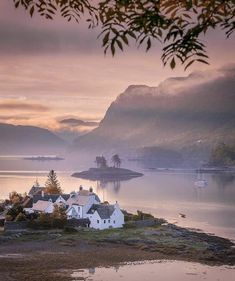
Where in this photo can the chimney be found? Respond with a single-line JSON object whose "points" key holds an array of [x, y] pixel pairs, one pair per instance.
{"points": [[91, 189], [80, 187]]}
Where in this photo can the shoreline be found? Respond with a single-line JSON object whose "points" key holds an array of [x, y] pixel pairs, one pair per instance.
{"points": [[41, 256]]}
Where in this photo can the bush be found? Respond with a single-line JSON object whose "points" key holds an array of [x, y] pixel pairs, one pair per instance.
{"points": [[8, 218], [15, 211], [58, 223], [69, 229], [45, 220], [20, 217]]}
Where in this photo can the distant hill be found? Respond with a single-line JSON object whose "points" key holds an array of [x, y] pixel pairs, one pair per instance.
{"points": [[28, 139], [187, 115]]}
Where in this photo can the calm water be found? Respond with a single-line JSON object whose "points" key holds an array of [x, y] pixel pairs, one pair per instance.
{"points": [[160, 271], [164, 194]]}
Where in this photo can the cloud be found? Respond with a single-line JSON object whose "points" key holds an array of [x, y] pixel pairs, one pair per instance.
{"points": [[77, 123], [22, 106]]}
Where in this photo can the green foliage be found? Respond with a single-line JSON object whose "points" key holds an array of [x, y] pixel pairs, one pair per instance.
{"points": [[136, 217], [59, 212], [52, 184], [223, 155], [177, 25], [44, 220], [57, 219], [9, 218], [21, 217], [15, 211], [15, 198], [69, 229]]}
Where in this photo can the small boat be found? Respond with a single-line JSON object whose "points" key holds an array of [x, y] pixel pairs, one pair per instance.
{"points": [[201, 183], [182, 215]]}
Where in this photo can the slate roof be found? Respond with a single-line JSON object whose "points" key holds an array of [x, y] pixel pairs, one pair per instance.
{"points": [[104, 211], [53, 197], [36, 190]]}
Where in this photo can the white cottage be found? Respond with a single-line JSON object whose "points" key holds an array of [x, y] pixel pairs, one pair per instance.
{"points": [[104, 216], [74, 212], [80, 202], [84, 204]]}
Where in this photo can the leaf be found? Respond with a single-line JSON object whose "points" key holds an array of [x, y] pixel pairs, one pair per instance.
{"points": [[202, 61], [112, 49], [132, 34], [188, 65], [172, 64], [148, 44], [119, 45], [31, 11], [106, 39]]}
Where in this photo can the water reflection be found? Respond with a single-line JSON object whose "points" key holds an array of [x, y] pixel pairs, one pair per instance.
{"points": [[223, 180], [116, 185], [157, 270], [164, 194]]}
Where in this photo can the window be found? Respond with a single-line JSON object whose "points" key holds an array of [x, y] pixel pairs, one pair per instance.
{"points": [[108, 221], [98, 221], [104, 221], [113, 221]]}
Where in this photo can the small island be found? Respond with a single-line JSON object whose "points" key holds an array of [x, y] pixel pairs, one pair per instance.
{"points": [[104, 172], [44, 158]]}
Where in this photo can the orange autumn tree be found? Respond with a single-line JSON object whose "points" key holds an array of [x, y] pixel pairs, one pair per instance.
{"points": [[52, 185]]}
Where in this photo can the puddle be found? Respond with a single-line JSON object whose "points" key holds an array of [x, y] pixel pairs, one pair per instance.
{"points": [[156, 270]]}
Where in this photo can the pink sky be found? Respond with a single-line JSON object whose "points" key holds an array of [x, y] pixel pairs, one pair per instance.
{"points": [[51, 70]]}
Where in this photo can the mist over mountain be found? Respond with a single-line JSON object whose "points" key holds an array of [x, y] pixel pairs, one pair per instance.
{"points": [[29, 139], [183, 115], [72, 128]]}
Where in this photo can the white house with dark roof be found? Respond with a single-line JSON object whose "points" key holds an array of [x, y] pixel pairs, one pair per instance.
{"points": [[46, 202], [103, 216], [84, 204]]}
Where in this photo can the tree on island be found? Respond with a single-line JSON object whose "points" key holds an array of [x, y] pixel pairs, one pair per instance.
{"points": [[52, 185], [101, 162], [116, 160], [177, 25]]}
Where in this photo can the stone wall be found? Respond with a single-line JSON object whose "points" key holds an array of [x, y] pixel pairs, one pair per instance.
{"points": [[78, 223], [15, 226]]}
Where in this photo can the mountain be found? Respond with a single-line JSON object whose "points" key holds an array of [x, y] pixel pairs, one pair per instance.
{"points": [[28, 139], [183, 115]]}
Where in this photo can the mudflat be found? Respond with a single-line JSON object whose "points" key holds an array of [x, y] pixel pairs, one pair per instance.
{"points": [[51, 255]]}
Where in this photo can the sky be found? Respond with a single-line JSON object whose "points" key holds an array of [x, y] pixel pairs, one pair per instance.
{"points": [[54, 70]]}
